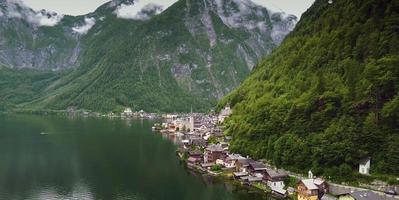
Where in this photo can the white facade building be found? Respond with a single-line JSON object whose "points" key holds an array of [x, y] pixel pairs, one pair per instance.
{"points": [[226, 112], [128, 112], [364, 166]]}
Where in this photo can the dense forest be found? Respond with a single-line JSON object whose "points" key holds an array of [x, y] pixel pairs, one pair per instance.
{"points": [[22, 85], [328, 96]]}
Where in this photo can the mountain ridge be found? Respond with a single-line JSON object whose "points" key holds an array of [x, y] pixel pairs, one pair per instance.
{"points": [[189, 50]]}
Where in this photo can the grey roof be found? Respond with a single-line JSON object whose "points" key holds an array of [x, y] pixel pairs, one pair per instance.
{"points": [[240, 174], [257, 165], [254, 179], [279, 190], [276, 173], [195, 152], [245, 162], [365, 195], [235, 157], [309, 184], [318, 181], [198, 142], [215, 148]]}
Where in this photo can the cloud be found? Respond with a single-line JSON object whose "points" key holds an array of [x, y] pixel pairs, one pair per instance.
{"points": [[140, 10], [149, 11], [84, 29], [241, 13], [17, 9], [45, 18]]}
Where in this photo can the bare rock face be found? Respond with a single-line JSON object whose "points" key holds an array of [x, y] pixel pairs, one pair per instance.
{"points": [[200, 49], [37, 40], [253, 31]]}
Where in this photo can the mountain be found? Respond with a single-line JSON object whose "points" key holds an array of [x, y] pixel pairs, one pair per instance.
{"points": [[328, 96], [189, 55], [36, 40]]}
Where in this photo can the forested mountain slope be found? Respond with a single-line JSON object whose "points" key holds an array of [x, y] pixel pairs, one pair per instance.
{"points": [[329, 95], [189, 55]]}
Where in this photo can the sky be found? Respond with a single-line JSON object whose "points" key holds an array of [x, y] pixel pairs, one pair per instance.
{"points": [[81, 7]]}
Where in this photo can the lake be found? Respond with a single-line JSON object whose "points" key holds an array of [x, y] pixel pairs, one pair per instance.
{"points": [[51, 157]]}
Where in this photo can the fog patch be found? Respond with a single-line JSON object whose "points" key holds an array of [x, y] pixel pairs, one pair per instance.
{"points": [[85, 28], [17, 9], [141, 9]]}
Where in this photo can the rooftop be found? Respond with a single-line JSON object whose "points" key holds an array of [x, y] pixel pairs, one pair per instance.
{"points": [[276, 173], [215, 148], [318, 181], [309, 183], [257, 165], [236, 157]]}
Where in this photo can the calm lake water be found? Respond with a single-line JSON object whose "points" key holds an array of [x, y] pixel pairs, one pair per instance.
{"points": [[48, 157]]}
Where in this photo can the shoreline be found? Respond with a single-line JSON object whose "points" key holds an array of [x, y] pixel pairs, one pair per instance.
{"points": [[228, 179]]}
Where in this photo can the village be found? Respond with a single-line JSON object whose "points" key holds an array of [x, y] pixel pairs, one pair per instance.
{"points": [[203, 146]]}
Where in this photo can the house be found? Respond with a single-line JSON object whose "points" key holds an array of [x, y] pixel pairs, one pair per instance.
{"points": [[214, 152], [274, 178], [308, 190], [232, 159], [217, 132], [255, 178], [364, 166], [194, 160], [198, 142], [195, 123], [195, 154], [256, 168], [220, 162], [238, 175], [242, 165], [127, 112], [279, 191], [224, 113], [322, 185], [360, 195]]}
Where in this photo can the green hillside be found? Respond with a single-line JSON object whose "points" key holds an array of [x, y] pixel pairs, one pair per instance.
{"points": [[188, 56], [328, 96], [19, 86]]}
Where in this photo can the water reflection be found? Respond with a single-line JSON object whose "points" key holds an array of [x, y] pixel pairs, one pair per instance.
{"points": [[85, 158]]}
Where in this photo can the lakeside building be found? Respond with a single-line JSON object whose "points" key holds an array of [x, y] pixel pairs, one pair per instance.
{"points": [[274, 178], [214, 152], [127, 112], [364, 166], [311, 189], [232, 159]]}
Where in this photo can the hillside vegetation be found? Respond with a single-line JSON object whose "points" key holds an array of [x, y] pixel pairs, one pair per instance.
{"points": [[328, 96], [188, 56]]}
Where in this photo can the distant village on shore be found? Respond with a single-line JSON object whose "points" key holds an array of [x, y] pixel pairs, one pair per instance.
{"points": [[203, 147]]}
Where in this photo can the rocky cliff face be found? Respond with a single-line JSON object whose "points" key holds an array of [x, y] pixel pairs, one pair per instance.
{"points": [[37, 40], [199, 49]]}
